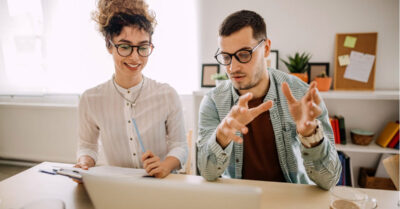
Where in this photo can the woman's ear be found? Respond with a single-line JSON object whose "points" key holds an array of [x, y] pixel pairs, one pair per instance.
{"points": [[109, 48], [267, 47], [108, 44]]}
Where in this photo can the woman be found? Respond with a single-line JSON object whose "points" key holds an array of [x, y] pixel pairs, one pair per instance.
{"points": [[138, 120]]}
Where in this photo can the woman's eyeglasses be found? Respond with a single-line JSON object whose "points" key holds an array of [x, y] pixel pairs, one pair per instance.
{"points": [[125, 50]]}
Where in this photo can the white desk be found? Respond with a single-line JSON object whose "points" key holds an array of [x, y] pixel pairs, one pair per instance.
{"points": [[32, 185]]}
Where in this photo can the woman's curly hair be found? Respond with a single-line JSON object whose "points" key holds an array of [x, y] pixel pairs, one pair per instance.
{"points": [[113, 15]]}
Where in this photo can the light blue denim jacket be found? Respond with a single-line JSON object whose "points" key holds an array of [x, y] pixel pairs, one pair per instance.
{"points": [[299, 164]]}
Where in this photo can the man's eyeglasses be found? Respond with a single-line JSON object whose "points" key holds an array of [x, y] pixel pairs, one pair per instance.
{"points": [[242, 55], [125, 50]]}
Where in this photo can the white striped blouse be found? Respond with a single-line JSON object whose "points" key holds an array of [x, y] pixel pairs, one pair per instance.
{"points": [[106, 117]]}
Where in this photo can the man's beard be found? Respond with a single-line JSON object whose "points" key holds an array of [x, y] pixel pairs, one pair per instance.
{"points": [[253, 82]]}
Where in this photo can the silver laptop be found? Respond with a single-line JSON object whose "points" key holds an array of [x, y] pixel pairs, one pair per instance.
{"points": [[124, 192]]}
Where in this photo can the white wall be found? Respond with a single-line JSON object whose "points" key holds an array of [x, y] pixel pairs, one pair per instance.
{"points": [[311, 25], [40, 131]]}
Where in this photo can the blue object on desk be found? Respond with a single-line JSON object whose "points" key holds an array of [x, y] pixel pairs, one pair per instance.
{"points": [[47, 172], [138, 135]]}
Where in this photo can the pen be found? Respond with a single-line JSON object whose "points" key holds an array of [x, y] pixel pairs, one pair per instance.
{"points": [[138, 135]]}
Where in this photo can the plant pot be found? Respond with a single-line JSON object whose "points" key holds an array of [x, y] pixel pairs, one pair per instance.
{"points": [[302, 76], [323, 84], [217, 82]]}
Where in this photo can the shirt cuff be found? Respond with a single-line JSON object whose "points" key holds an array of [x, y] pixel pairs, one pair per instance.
{"points": [[221, 154], [179, 154], [315, 153], [90, 153]]}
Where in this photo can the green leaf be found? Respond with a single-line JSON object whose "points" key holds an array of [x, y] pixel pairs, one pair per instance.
{"points": [[298, 63]]}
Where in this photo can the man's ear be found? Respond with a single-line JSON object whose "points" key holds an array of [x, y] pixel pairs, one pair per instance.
{"points": [[267, 47]]}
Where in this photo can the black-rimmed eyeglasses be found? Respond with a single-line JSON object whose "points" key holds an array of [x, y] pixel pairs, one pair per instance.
{"points": [[242, 55], [125, 50]]}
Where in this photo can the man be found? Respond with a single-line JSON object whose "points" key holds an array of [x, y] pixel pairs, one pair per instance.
{"points": [[263, 124]]}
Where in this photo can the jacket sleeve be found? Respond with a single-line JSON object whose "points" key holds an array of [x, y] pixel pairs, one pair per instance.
{"points": [[322, 162], [212, 160]]}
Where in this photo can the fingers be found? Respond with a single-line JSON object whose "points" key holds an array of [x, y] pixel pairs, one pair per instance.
{"points": [[85, 162], [314, 110], [232, 123], [288, 93], [311, 88], [244, 99], [151, 160], [315, 96], [152, 166], [77, 181], [261, 108], [156, 172], [230, 133], [82, 166], [147, 154]]}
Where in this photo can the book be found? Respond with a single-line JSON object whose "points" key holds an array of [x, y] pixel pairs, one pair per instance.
{"points": [[337, 131], [333, 124], [349, 171], [394, 141], [340, 178], [342, 129], [380, 170], [342, 174], [387, 134]]}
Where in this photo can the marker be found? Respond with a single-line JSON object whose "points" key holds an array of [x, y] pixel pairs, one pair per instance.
{"points": [[138, 135]]}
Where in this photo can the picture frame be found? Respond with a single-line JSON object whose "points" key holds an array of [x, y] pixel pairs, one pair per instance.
{"points": [[272, 61], [316, 68], [207, 71]]}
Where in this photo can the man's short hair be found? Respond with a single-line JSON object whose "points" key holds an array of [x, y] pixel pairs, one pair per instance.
{"points": [[241, 19]]}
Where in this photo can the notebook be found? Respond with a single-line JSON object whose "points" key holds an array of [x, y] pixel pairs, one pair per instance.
{"points": [[125, 191]]}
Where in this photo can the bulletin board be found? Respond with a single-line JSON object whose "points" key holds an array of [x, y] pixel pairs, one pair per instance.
{"points": [[365, 43]]}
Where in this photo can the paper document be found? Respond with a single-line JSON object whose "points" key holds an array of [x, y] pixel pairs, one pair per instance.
{"points": [[360, 66], [76, 173], [344, 60]]}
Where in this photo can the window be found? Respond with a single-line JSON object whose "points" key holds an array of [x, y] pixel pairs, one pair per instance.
{"points": [[53, 47]]}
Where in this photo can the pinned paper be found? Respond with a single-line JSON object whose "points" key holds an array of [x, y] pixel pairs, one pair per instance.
{"points": [[360, 66], [344, 60], [350, 41]]}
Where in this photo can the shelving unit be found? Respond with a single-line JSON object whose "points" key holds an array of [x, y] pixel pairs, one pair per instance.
{"points": [[358, 95], [371, 148], [362, 95]]}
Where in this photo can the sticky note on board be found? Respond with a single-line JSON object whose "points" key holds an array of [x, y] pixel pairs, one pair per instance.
{"points": [[350, 41], [344, 60]]}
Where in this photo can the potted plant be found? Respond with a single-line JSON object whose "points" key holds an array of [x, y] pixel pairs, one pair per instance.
{"points": [[298, 65], [323, 82], [218, 77]]}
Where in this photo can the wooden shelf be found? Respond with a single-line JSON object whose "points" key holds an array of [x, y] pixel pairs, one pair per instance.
{"points": [[365, 95], [352, 95], [371, 148]]}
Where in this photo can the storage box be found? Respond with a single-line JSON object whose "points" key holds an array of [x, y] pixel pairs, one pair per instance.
{"points": [[367, 179]]}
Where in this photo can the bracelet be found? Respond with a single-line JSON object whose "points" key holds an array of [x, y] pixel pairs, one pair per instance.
{"points": [[313, 139]]}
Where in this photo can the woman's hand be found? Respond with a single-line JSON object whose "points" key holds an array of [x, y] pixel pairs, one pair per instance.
{"points": [[154, 167], [84, 162]]}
